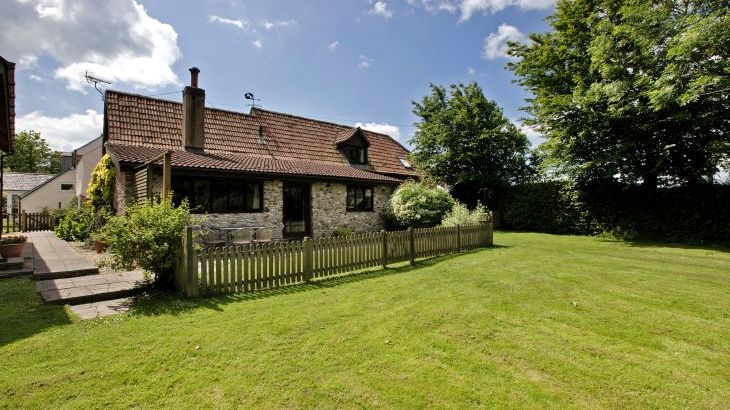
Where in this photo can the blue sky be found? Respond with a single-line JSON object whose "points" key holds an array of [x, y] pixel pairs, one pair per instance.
{"points": [[356, 61]]}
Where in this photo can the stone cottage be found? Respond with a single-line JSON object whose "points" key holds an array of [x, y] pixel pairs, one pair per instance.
{"points": [[294, 175]]}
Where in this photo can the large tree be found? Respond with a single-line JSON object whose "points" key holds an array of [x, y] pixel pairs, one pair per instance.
{"points": [[631, 90], [31, 153], [464, 140]]}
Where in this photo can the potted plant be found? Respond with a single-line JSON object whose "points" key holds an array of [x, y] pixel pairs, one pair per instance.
{"points": [[99, 240], [12, 246]]}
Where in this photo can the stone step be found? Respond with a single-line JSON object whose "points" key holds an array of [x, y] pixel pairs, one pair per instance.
{"points": [[44, 274], [101, 309], [12, 263], [94, 288]]}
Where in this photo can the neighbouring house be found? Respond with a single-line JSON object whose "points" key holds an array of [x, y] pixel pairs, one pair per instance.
{"points": [[59, 190], [15, 184], [84, 159], [294, 175], [55, 193]]}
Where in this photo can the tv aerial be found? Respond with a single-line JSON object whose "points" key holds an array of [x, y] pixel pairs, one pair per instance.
{"points": [[98, 82], [250, 96]]}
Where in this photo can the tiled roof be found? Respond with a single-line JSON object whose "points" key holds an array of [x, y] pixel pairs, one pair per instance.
{"points": [[257, 164], [345, 135], [19, 181], [134, 120]]}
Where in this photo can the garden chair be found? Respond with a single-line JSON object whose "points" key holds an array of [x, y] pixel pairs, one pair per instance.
{"points": [[263, 235], [211, 238], [242, 236]]}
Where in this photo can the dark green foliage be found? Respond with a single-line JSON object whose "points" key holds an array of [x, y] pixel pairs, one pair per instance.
{"points": [[631, 90], [669, 214], [77, 224], [31, 153], [149, 236], [464, 140]]}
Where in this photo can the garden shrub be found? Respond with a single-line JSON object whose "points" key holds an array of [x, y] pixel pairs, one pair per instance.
{"points": [[77, 224], [420, 204], [461, 215], [148, 236], [100, 193], [343, 232], [676, 214]]}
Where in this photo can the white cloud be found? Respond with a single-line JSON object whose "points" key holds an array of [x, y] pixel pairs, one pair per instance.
{"points": [[269, 25], [471, 71], [383, 128], [240, 23], [35, 77], [365, 61], [533, 135], [117, 40], [333, 45], [495, 44], [257, 43], [468, 8], [63, 133], [380, 8]]}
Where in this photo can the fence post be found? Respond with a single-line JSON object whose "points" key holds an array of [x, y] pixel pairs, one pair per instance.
{"points": [[385, 248], [23, 221], [458, 238], [490, 229], [411, 246], [192, 284], [307, 256]]}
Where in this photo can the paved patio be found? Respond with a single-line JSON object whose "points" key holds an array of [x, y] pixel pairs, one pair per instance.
{"points": [[92, 288], [53, 258], [100, 309]]}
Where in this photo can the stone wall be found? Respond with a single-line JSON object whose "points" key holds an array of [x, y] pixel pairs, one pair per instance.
{"points": [[329, 209], [271, 217]]}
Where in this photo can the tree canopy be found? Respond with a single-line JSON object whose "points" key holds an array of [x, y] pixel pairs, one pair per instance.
{"points": [[631, 90], [31, 153], [464, 140]]}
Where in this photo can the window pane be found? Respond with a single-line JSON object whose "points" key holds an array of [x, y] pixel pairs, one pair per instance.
{"points": [[201, 195], [359, 198], [236, 196], [218, 196], [361, 155], [253, 197], [350, 198], [368, 199]]}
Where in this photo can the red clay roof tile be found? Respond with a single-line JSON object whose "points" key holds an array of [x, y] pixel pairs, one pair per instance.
{"points": [[134, 120]]}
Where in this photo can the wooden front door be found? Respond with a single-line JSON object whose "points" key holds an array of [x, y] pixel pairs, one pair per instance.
{"points": [[297, 210]]}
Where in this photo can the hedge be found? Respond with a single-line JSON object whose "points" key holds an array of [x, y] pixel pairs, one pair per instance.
{"points": [[678, 214]]}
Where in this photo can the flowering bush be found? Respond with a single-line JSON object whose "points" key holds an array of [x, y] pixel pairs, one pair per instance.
{"points": [[420, 204], [460, 215], [100, 193]]}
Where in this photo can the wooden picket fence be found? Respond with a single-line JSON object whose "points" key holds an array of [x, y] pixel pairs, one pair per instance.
{"points": [[258, 266], [28, 222]]}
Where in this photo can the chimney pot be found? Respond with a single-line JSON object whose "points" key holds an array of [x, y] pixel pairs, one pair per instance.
{"points": [[194, 76]]}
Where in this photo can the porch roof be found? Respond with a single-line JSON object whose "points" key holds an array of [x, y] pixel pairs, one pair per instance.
{"points": [[254, 164]]}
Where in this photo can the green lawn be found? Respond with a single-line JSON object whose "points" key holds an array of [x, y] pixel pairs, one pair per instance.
{"points": [[537, 321]]}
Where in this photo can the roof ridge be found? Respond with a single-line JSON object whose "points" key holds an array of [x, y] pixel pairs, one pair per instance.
{"points": [[177, 102], [26, 173]]}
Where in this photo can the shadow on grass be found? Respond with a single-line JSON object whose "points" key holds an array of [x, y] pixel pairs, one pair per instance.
{"points": [[706, 246], [158, 303], [23, 313]]}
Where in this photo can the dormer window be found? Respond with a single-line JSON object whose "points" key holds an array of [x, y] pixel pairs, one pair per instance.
{"points": [[353, 145], [357, 155]]}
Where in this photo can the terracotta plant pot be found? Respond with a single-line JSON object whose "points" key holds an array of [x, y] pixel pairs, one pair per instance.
{"points": [[99, 246], [12, 251]]}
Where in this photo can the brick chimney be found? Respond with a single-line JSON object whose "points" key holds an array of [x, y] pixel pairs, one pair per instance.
{"points": [[193, 114]]}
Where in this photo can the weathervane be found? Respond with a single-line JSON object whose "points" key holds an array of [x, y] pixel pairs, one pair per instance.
{"points": [[250, 96]]}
